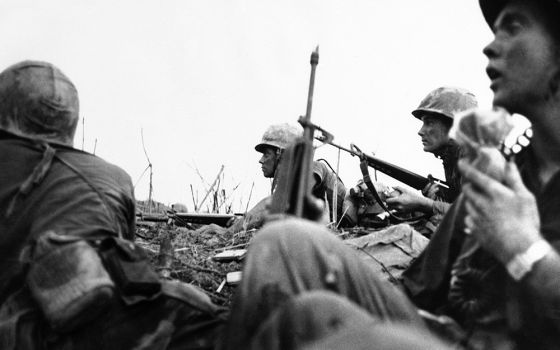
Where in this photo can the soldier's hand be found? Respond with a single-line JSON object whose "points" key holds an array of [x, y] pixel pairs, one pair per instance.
{"points": [[503, 216], [406, 200], [431, 190]]}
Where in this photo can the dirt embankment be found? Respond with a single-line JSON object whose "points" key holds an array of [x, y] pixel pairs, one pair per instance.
{"points": [[191, 257]]}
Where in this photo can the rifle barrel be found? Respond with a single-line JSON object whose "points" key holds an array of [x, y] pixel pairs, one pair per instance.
{"points": [[308, 131], [406, 176], [204, 218]]}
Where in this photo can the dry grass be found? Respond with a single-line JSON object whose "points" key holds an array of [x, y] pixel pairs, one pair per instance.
{"points": [[192, 262]]}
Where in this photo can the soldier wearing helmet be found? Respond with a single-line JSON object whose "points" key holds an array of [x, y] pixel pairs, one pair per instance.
{"points": [[275, 140], [502, 238], [436, 111], [56, 204], [492, 266]]}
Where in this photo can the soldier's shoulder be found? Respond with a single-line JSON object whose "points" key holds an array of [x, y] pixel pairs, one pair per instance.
{"points": [[95, 166]]}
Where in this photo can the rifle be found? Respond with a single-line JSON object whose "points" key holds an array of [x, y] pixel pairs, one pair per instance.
{"points": [[408, 177], [396, 172], [180, 219], [292, 194]]}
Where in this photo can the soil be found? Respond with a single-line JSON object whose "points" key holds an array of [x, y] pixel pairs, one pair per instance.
{"points": [[192, 257], [192, 254]]}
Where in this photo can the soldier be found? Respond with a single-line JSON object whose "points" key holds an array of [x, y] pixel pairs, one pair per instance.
{"points": [[70, 275], [274, 141], [499, 280], [436, 111]]}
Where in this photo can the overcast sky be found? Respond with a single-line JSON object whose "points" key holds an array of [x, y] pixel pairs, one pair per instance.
{"points": [[205, 78]]}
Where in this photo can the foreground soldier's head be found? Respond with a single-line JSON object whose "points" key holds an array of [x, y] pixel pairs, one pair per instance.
{"points": [[524, 57], [38, 101], [437, 110], [274, 141]]}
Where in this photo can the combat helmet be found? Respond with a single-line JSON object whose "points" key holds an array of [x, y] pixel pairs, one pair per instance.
{"points": [[446, 101], [38, 101], [492, 8], [279, 136]]}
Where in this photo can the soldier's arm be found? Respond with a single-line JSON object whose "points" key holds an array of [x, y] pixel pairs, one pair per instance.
{"points": [[406, 200], [505, 220]]}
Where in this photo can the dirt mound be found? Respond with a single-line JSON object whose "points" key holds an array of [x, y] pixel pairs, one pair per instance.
{"points": [[190, 257]]}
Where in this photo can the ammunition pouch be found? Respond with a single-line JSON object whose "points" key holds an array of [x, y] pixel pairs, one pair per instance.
{"points": [[68, 281], [74, 280]]}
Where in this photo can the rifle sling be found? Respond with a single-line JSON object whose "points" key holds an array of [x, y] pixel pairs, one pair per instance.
{"points": [[373, 190]]}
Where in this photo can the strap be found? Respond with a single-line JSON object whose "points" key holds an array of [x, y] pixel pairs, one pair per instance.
{"points": [[39, 172], [99, 193], [373, 190]]}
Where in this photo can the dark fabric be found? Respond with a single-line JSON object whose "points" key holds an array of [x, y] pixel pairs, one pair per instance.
{"points": [[427, 279], [307, 318], [450, 154], [78, 194], [379, 336], [325, 186], [536, 324], [456, 277], [291, 257], [73, 195], [163, 323]]}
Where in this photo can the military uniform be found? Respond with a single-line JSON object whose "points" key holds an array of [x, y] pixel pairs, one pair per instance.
{"points": [[326, 181], [70, 276], [456, 276]]}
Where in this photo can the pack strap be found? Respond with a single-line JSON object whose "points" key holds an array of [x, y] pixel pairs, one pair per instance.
{"points": [[34, 179]]}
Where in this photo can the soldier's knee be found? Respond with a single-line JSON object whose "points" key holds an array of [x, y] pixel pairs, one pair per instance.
{"points": [[326, 304], [288, 232]]}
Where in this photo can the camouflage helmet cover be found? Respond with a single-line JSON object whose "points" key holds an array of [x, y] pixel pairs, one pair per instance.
{"points": [[279, 136], [38, 101], [446, 101]]}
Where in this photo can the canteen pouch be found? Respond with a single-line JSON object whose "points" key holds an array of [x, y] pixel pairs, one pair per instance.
{"points": [[68, 281], [129, 268]]}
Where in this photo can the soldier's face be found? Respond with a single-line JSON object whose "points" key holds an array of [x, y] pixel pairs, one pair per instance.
{"points": [[433, 133], [522, 59], [268, 161]]}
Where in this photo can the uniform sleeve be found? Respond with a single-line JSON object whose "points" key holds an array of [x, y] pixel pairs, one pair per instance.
{"points": [[439, 208], [319, 173]]}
